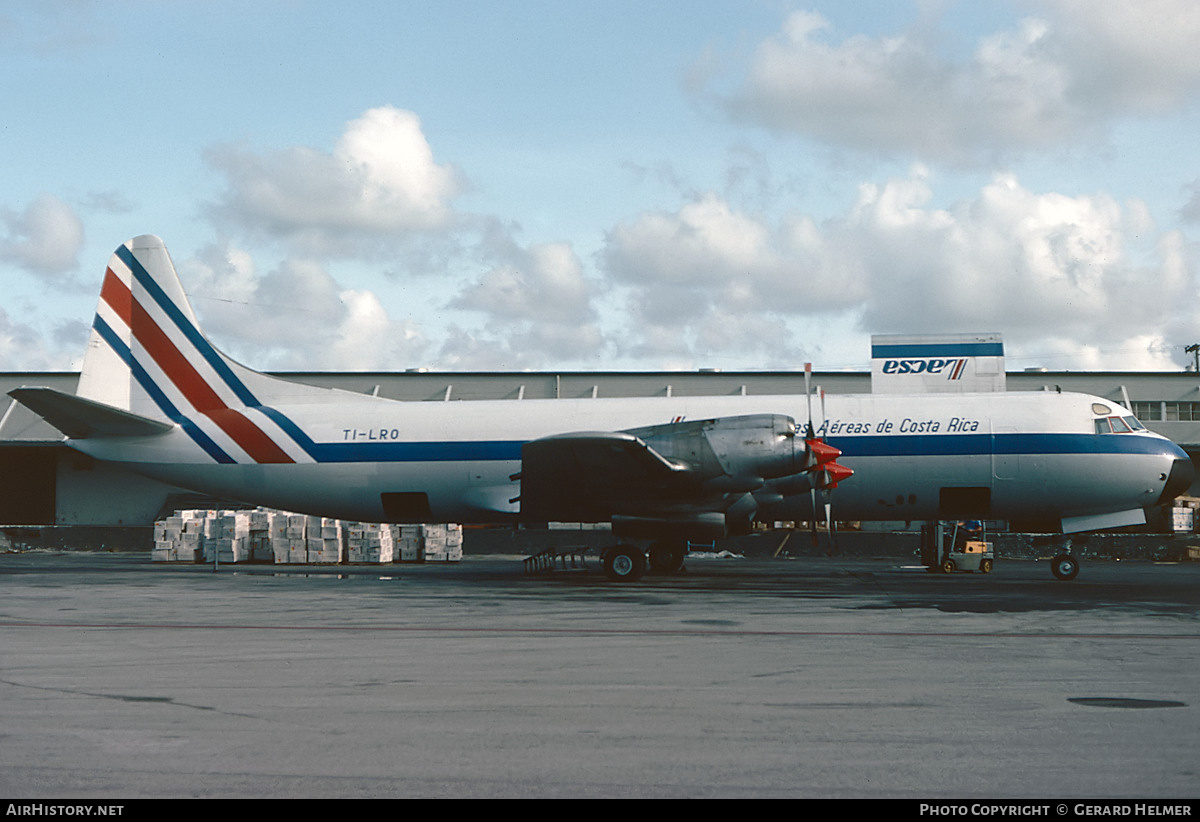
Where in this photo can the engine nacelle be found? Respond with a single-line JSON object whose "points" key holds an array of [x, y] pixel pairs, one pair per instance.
{"points": [[740, 451], [698, 526]]}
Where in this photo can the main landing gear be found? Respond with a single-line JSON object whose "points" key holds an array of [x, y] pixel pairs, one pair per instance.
{"points": [[1064, 567], [629, 563], [666, 555], [624, 563]]}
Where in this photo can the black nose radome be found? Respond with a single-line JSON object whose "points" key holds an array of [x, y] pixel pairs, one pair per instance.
{"points": [[1178, 481]]}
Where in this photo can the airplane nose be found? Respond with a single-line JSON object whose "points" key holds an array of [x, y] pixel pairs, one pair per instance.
{"points": [[1180, 478]]}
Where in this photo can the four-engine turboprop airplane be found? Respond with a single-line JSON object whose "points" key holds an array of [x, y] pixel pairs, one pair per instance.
{"points": [[156, 396]]}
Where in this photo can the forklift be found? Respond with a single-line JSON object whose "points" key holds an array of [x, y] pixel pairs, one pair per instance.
{"points": [[963, 548]]}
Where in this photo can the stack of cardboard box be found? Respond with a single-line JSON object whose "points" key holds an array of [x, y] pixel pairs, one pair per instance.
{"points": [[442, 543], [227, 537], [324, 540], [179, 538], [288, 544], [283, 538], [408, 542], [1183, 514], [369, 542]]}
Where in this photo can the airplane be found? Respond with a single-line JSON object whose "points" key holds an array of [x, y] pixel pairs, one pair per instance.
{"points": [[157, 397]]}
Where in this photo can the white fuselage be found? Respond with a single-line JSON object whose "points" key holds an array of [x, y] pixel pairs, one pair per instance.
{"points": [[1037, 454]]}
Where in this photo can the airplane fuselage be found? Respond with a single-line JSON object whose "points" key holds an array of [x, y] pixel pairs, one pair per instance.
{"points": [[1014, 456]]}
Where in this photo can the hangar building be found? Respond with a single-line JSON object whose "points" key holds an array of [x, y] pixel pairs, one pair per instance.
{"points": [[42, 482]]}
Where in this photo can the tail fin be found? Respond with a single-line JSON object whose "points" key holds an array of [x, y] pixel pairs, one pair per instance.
{"points": [[142, 306], [148, 356]]}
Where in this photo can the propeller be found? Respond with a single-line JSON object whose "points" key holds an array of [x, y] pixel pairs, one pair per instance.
{"points": [[822, 462], [812, 443], [809, 433]]}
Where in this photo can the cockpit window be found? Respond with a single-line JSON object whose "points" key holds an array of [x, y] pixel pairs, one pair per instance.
{"points": [[1118, 425]]}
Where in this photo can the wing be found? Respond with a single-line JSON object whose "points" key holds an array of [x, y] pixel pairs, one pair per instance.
{"points": [[585, 477], [695, 478]]}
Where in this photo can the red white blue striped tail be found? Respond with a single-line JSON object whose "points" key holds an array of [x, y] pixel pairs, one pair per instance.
{"points": [[148, 356]]}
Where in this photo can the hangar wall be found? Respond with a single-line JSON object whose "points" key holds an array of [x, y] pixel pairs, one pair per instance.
{"points": [[42, 482], [96, 493]]}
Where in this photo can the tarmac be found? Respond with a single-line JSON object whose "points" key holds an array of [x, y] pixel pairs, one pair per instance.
{"points": [[741, 677]]}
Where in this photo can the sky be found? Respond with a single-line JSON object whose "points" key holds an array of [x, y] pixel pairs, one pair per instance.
{"points": [[608, 184]]}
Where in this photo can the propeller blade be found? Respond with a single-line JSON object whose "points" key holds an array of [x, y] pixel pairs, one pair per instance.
{"points": [[826, 473], [824, 418], [813, 519], [832, 526], [808, 397]]}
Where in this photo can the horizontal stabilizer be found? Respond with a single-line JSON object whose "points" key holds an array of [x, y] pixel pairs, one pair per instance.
{"points": [[80, 418]]}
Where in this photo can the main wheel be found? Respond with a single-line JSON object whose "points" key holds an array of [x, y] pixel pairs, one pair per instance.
{"points": [[666, 555], [1065, 567], [625, 563]]}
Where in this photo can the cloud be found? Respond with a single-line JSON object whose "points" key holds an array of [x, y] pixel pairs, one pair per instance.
{"points": [[1139, 352], [295, 317], [380, 195], [44, 239], [1057, 77], [380, 182], [27, 346], [19, 342], [544, 282], [709, 283], [537, 303], [518, 348], [704, 242], [1122, 57], [708, 280], [1040, 264], [1190, 212], [708, 256]]}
